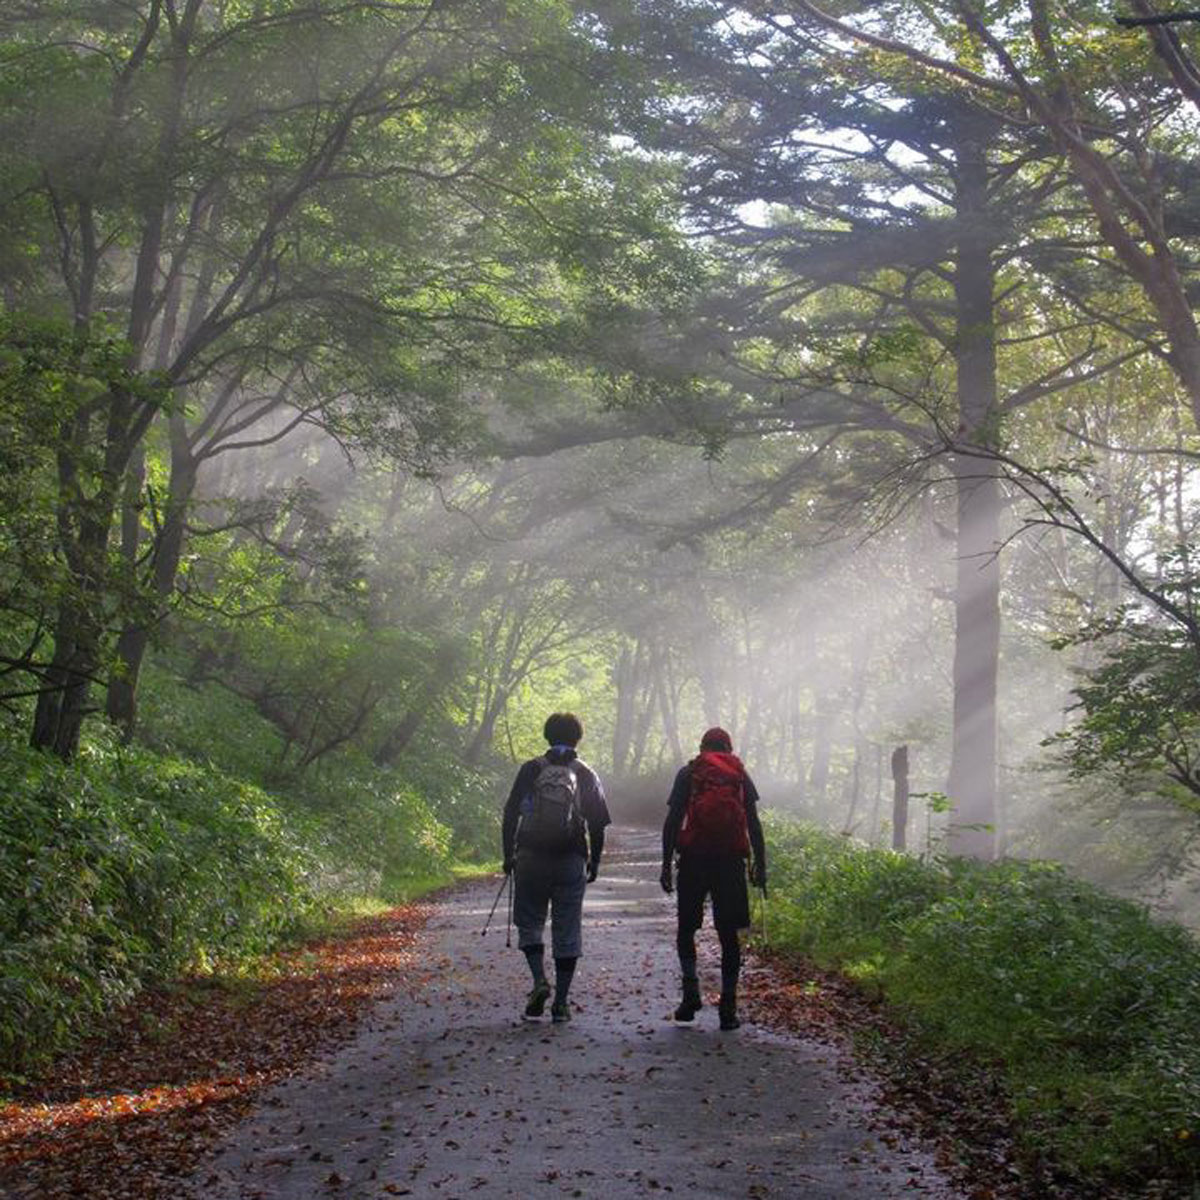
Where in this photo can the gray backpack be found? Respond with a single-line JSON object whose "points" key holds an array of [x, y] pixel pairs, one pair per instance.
{"points": [[553, 822]]}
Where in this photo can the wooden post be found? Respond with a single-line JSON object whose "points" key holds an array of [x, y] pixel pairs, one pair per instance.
{"points": [[899, 797]]}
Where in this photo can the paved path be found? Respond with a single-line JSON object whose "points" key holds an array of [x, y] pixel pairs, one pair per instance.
{"points": [[445, 1092]]}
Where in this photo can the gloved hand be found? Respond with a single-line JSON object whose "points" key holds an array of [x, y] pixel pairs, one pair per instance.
{"points": [[593, 870], [668, 884], [758, 875], [509, 864]]}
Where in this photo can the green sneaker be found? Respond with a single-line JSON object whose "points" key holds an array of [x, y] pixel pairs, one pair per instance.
{"points": [[560, 1011], [536, 1004]]}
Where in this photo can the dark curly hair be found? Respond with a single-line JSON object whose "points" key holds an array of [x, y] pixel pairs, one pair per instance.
{"points": [[563, 729]]}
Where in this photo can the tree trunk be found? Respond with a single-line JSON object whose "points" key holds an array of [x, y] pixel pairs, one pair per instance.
{"points": [[121, 701], [860, 654], [877, 802], [972, 780], [799, 772], [403, 732], [624, 682], [58, 715], [818, 779], [667, 709], [710, 688], [855, 789], [643, 712], [900, 798], [487, 727]]}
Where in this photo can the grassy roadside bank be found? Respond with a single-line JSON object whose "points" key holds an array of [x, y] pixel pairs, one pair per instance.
{"points": [[129, 868], [136, 1107], [1084, 1008]]}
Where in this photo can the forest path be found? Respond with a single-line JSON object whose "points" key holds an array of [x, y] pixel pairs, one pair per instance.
{"points": [[446, 1092]]}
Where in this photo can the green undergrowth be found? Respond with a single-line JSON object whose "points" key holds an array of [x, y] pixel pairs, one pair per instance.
{"points": [[1087, 1006], [130, 866], [427, 810]]}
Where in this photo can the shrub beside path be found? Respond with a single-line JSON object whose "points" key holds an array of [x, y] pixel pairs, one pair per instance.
{"points": [[445, 1092]]}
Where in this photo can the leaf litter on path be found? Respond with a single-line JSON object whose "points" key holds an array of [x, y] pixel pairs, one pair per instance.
{"points": [[136, 1108]]}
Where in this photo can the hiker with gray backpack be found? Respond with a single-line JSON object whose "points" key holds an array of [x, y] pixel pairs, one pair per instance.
{"points": [[553, 835]]}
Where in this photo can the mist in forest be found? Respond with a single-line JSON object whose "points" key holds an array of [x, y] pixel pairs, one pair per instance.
{"points": [[588, 578], [420, 387]]}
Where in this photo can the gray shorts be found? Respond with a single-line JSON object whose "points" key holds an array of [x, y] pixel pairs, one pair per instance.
{"points": [[556, 882]]}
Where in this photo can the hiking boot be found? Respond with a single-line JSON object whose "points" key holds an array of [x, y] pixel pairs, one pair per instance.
{"points": [[691, 1003], [536, 1004], [560, 1011], [727, 1011]]}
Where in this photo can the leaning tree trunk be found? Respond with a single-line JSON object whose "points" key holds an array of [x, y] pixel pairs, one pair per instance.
{"points": [[402, 733], [63, 701], [134, 640], [481, 740], [972, 780]]}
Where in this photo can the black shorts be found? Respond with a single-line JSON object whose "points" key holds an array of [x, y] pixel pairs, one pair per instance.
{"points": [[721, 876]]}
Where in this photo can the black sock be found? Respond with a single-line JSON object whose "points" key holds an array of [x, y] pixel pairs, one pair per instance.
{"points": [[536, 957], [731, 962], [564, 972]]}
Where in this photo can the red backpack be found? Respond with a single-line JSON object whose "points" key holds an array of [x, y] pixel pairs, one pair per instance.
{"points": [[715, 819]]}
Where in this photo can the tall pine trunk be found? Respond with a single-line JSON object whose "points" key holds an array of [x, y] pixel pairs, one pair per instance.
{"points": [[972, 780]]}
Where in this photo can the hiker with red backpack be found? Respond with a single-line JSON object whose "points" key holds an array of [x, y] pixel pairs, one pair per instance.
{"points": [[553, 834], [712, 822]]}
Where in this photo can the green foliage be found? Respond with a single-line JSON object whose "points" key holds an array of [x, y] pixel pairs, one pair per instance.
{"points": [[132, 865], [844, 899], [378, 829], [49, 375], [467, 800], [1086, 1007], [1139, 705], [124, 867]]}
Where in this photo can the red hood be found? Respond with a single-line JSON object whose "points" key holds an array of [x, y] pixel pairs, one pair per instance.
{"points": [[719, 760]]}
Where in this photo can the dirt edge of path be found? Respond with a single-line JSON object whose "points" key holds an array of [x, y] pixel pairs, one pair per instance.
{"points": [[139, 1106], [947, 1099]]}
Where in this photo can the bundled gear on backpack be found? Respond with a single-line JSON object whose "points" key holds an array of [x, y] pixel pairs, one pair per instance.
{"points": [[714, 821], [552, 821]]}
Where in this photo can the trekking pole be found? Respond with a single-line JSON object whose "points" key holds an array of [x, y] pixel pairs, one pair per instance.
{"points": [[508, 930], [764, 914], [495, 902]]}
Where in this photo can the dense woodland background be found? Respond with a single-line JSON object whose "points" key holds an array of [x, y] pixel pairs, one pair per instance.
{"points": [[377, 376]]}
